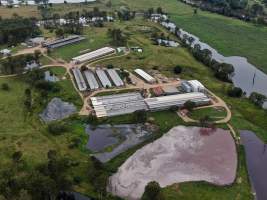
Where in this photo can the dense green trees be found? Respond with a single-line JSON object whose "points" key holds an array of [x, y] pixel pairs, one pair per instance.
{"points": [[235, 92], [177, 69], [5, 86], [140, 116], [16, 64], [17, 29], [257, 99], [117, 36], [43, 182], [152, 192], [223, 71]]}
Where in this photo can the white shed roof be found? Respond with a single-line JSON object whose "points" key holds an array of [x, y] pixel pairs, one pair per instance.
{"points": [[145, 75], [94, 54]]}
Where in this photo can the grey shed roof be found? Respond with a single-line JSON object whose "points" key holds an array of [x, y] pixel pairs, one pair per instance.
{"points": [[91, 80], [119, 104], [79, 79], [116, 79], [103, 78]]}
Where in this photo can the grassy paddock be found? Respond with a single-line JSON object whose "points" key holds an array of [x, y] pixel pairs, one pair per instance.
{"points": [[95, 38]]}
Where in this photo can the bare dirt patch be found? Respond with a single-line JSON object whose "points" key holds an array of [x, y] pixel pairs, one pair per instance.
{"points": [[181, 155]]}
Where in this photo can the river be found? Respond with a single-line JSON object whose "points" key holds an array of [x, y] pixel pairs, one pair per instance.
{"points": [[256, 157], [246, 76]]}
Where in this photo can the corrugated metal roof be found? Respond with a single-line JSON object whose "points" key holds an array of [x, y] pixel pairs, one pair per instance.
{"points": [[103, 78], [145, 75], [119, 104], [115, 77], [64, 41], [94, 54], [79, 79], [166, 102], [91, 80], [196, 85]]}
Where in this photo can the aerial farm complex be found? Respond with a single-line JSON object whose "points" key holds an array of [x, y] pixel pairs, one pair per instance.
{"points": [[163, 97], [110, 101]]}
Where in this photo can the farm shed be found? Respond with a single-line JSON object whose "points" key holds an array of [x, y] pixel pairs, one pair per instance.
{"points": [[93, 55]]}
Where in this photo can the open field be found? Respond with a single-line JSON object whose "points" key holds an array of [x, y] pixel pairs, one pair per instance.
{"points": [[95, 38], [24, 11], [214, 113]]}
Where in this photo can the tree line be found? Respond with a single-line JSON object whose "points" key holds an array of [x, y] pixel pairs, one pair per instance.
{"points": [[17, 29], [235, 8]]}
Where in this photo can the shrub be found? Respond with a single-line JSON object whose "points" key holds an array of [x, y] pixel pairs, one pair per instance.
{"points": [[5, 86], [56, 128], [235, 92], [140, 116], [178, 69]]}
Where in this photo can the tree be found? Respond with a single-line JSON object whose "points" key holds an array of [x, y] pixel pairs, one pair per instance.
{"points": [[257, 9], [109, 4], [159, 10], [257, 99], [152, 192], [189, 105], [17, 156], [59, 32], [5, 86], [177, 69], [37, 54], [117, 37], [235, 92], [205, 121]]}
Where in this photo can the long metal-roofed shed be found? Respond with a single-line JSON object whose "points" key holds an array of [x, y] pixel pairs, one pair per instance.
{"points": [[116, 79], [166, 102], [62, 42], [79, 79], [119, 104], [93, 55], [145, 76], [91, 80], [103, 78]]}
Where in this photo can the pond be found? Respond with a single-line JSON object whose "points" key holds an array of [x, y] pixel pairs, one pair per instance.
{"points": [[246, 75], [108, 141], [256, 158]]}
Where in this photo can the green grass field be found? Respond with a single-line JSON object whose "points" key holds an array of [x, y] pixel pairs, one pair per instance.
{"points": [[95, 38], [214, 113]]}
